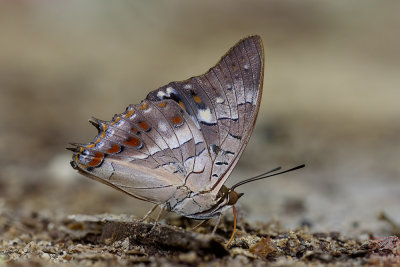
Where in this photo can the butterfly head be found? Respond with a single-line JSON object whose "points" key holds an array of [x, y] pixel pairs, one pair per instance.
{"points": [[228, 196]]}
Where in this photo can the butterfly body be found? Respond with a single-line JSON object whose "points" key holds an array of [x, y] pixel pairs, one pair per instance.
{"points": [[179, 145]]}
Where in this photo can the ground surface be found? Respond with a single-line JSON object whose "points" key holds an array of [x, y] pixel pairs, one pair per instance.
{"points": [[330, 100], [109, 240]]}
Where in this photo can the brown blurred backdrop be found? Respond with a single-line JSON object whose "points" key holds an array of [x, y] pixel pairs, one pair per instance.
{"points": [[331, 99]]}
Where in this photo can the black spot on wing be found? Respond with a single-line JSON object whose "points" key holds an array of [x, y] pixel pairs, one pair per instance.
{"points": [[235, 136]]}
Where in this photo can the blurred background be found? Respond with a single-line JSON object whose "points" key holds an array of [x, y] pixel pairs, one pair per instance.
{"points": [[331, 100]]}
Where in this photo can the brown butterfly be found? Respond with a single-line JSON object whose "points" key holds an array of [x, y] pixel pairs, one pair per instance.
{"points": [[178, 147]]}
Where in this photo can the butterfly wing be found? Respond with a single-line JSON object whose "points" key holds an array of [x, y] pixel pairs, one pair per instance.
{"points": [[188, 133], [244, 68], [220, 109], [136, 152]]}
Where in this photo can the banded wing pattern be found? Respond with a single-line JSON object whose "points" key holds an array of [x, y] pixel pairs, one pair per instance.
{"points": [[188, 133]]}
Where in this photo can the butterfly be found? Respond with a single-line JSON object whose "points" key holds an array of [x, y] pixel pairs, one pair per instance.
{"points": [[177, 147]]}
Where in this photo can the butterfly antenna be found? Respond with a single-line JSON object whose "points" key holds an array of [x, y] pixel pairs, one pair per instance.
{"points": [[234, 226], [265, 175]]}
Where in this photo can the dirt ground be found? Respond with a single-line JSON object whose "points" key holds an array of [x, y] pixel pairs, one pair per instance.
{"points": [[330, 101], [110, 240]]}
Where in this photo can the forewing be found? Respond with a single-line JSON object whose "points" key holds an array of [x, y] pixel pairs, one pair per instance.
{"points": [[220, 109], [245, 63]]}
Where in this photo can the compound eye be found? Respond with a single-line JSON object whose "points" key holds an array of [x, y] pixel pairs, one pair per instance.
{"points": [[222, 192]]}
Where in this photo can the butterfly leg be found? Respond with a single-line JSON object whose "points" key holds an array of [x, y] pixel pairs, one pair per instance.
{"points": [[216, 225], [157, 219], [198, 225], [160, 213], [148, 213]]}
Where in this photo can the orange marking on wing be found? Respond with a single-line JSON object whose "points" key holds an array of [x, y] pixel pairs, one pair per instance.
{"points": [[103, 134], [144, 125], [177, 120], [130, 113], [234, 68], [116, 120], [82, 166], [182, 105], [133, 141], [114, 149], [197, 99], [92, 145], [162, 105], [98, 158], [76, 159], [143, 106], [134, 130]]}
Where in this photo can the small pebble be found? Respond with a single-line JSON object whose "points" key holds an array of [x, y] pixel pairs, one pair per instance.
{"points": [[125, 244], [45, 256], [189, 257]]}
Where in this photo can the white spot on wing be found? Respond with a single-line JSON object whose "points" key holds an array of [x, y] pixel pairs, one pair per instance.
{"points": [[205, 115], [249, 97], [161, 94], [162, 126], [170, 90], [147, 110], [219, 100]]}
